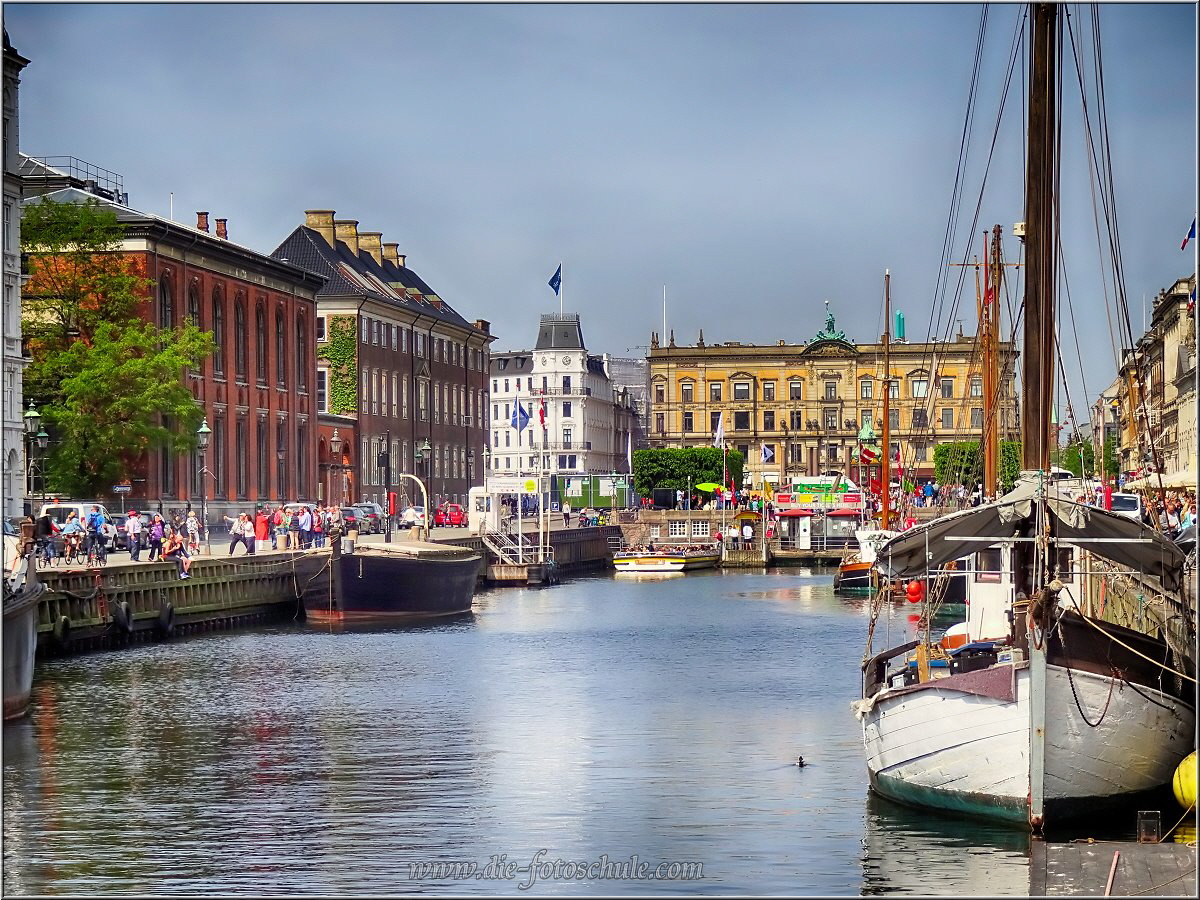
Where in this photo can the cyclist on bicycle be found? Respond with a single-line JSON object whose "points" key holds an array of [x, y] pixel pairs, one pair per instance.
{"points": [[72, 533], [95, 530], [44, 530]]}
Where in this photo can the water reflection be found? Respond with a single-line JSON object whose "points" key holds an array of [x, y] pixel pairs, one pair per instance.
{"points": [[908, 851]]}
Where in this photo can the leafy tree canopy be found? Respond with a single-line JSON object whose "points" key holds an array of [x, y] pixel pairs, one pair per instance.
{"points": [[107, 382], [672, 467]]}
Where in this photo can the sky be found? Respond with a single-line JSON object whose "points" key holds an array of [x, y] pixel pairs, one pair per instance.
{"points": [[749, 162]]}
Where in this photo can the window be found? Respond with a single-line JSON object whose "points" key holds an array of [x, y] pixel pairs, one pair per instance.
{"points": [[797, 417], [260, 343], [947, 385], [865, 418], [769, 420], [166, 303], [194, 306], [976, 386], [920, 387], [567, 438], [894, 389], [685, 392], [658, 393], [362, 332], [239, 338], [832, 452], [947, 417], [320, 326], [687, 423], [831, 419], [322, 389], [893, 418], [218, 322], [987, 564], [977, 417], [714, 391], [831, 390], [919, 451], [700, 529], [566, 384], [866, 389], [280, 349], [795, 390], [768, 390], [301, 355], [920, 418], [677, 528], [741, 420], [566, 409], [240, 448], [660, 422], [713, 419], [741, 390], [264, 485]]}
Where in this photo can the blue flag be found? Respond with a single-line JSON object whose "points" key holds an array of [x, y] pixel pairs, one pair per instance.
{"points": [[556, 279], [520, 418]]}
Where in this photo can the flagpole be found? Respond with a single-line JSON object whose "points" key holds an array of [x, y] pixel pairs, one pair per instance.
{"points": [[560, 292], [664, 337]]}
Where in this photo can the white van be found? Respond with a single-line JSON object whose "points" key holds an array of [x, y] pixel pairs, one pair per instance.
{"points": [[1129, 505], [60, 509]]}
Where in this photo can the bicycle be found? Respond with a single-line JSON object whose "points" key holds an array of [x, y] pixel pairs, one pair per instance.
{"points": [[71, 550], [46, 556], [97, 555]]}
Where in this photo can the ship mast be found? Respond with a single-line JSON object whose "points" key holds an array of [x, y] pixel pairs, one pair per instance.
{"points": [[989, 326], [885, 483]]}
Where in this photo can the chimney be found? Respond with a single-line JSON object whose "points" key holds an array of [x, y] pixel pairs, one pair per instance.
{"points": [[346, 231], [400, 257], [222, 230], [371, 242], [391, 252], [320, 221], [202, 222]]}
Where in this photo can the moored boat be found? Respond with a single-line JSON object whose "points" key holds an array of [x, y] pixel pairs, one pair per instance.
{"points": [[667, 558], [407, 579], [21, 592], [857, 570]]}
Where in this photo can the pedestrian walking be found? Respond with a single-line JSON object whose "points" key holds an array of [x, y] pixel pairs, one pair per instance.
{"points": [[157, 530], [566, 511], [192, 526], [241, 531], [133, 535], [262, 526]]}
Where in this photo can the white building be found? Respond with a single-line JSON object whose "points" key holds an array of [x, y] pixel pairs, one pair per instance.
{"points": [[572, 420], [12, 491]]}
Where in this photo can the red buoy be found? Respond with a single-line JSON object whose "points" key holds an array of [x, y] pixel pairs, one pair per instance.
{"points": [[915, 591]]}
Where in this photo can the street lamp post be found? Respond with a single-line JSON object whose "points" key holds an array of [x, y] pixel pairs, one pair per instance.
{"points": [[202, 435], [36, 435], [384, 461], [335, 451], [422, 452]]}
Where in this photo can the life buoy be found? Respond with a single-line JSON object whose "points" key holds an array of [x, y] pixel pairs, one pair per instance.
{"points": [[123, 615], [166, 619], [62, 631]]}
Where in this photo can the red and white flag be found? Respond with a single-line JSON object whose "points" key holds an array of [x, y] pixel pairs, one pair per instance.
{"points": [[542, 411]]}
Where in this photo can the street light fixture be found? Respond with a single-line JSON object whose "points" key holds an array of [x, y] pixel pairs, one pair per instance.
{"points": [[335, 451], [202, 436]]}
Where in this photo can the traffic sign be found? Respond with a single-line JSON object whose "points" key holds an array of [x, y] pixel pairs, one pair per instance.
{"points": [[122, 488]]}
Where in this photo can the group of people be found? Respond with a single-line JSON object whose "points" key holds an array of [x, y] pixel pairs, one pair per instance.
{"points": [[177, 540], [286, 528]]}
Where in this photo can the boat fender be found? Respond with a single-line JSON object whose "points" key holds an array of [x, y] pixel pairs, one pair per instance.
{"points": [[915, 590], [166, 619], [123, 615], [62, 631], [1183, 785]]}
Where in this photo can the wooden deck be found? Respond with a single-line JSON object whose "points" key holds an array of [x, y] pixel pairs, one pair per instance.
{"points": [[1083, 869]]}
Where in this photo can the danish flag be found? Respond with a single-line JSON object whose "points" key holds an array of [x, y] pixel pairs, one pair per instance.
{"points": [[542, 411]]}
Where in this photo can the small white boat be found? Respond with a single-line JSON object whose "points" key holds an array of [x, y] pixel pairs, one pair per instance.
{"points": [[667, 558]]}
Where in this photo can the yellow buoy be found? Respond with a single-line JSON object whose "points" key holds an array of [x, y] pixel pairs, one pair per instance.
{"points": [[1184, 782]]}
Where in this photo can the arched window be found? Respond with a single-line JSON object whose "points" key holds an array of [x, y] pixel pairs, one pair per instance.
{"points": [[301, 355], [281, 448], [166, 303], [280, 349], [264, 471], [240, 449], [260, 343], [218, 323], [239, 337], [194, 306]]}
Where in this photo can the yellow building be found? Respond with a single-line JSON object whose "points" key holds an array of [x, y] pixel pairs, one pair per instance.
{"points": [[798, 409]]}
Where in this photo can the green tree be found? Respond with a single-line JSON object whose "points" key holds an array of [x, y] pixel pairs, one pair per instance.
{"points": [[962, 462], [673, 467], [107, 382], [1109, 458]]}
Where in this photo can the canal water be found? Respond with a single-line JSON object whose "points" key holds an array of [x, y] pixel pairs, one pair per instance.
{"points": [[609, 735]]}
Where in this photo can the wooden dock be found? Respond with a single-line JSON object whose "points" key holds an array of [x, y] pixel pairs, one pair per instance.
{"points": [[1112, 869]]}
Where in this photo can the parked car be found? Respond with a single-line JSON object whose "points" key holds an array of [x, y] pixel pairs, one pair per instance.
{"points": [[374, 513], [121, 541], [1129, 505], [450, 514], [351, 516]]}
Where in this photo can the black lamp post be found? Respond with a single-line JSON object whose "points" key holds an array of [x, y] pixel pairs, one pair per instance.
{"points": [[202, 436], [335, 451], [384, 460], [36, 436]]}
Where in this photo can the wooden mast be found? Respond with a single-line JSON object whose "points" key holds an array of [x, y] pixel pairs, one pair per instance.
{"points": [[1041, 184], [989, 322], [885, 483]]}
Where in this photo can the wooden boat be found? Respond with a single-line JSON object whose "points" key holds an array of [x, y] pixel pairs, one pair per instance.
{"points": [[21, 591], [857, 570], [663, 558], [406, 579], [1050, 704]]}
